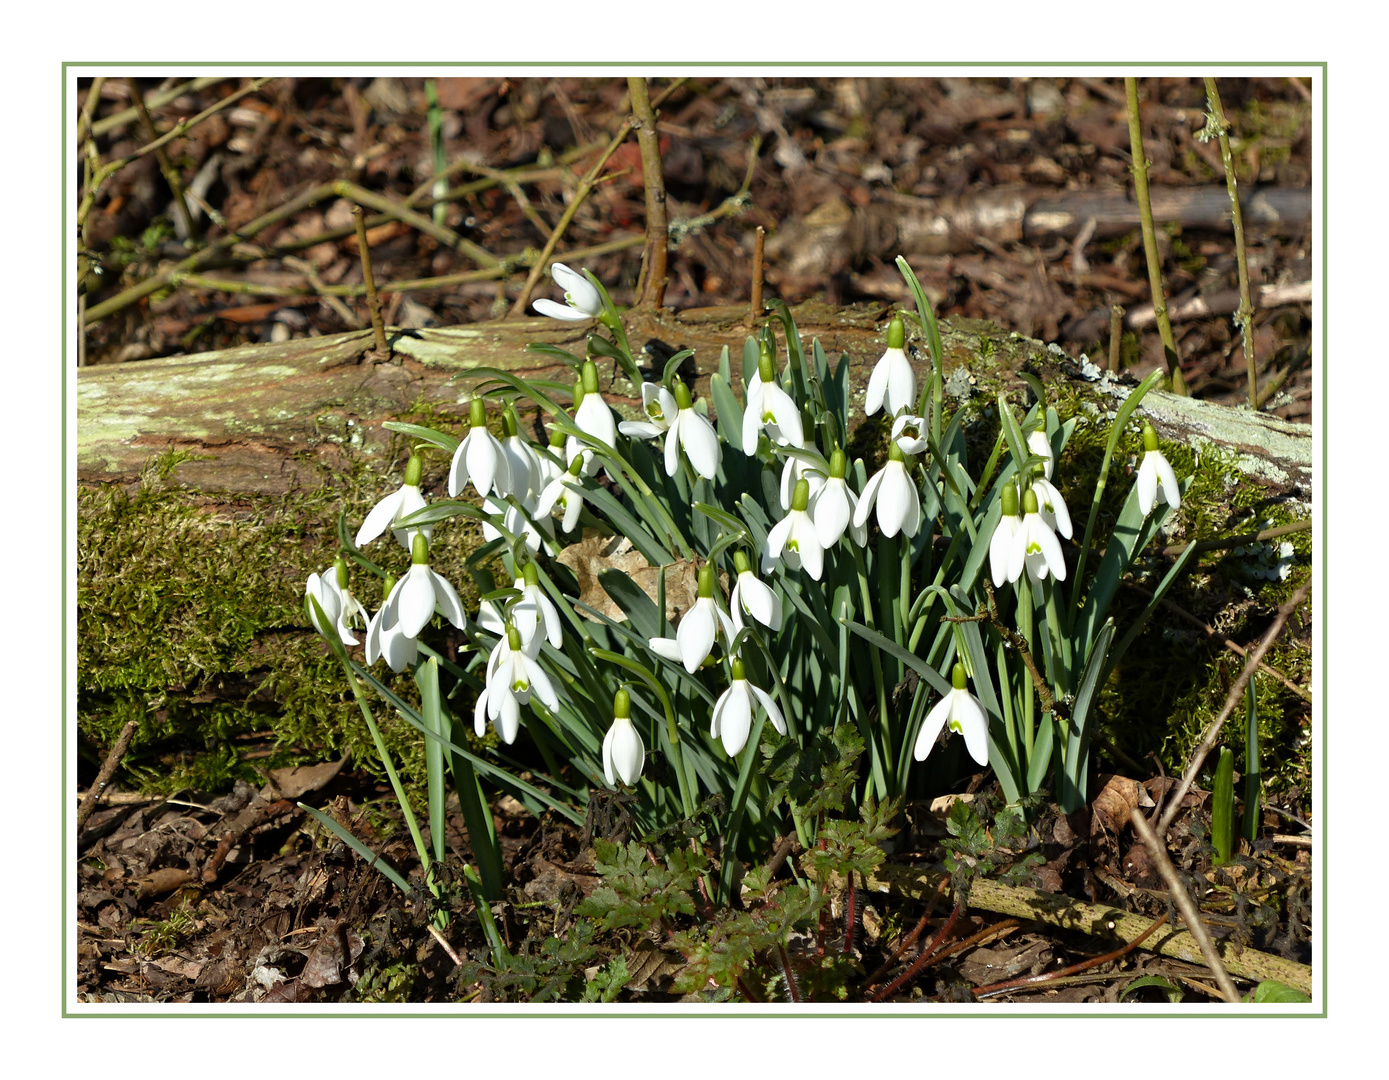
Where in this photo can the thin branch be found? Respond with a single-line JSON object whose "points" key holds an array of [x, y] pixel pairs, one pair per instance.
{"points": [[1231, 700], [586, 184], [651, 287], [156, 101], [319, 286], [1054, 976], [1190, 916], [1145, 214], [108, 770], [378, 328], [166, 167], [1245, 315]]}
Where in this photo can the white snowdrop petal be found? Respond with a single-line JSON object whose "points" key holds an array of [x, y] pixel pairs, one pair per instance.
{"points": [[558, 311], [930, 727]]}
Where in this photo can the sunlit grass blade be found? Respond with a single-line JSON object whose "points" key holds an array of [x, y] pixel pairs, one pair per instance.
{"points": [[365, 853], [441, 439], [427, 679]]}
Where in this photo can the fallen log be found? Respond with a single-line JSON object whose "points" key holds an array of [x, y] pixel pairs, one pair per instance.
{"points": [[266, 418]]}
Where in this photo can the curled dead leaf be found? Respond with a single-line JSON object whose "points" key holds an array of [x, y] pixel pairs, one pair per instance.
{"points": [[596, 553]]}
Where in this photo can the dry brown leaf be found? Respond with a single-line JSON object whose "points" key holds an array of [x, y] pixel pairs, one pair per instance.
{"points": [[1117, 800], [596, 553]]}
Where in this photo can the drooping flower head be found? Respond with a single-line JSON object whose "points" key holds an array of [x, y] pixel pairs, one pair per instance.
{"points": [[385, 639], [593, 417], [769, 406], [623, 752], [1035, 546], [732, 719], [534, 614], [909, 432], [1051, 505], [794, 538], [513, 675], [1156, 480], [893, 382], [961, 712], [581, 299], [479, 459], [701, 626], [419, 592], [891, 490], [691, 431], [402, 502], [521, 458], [832, 508], [753, 597], [1001, 545], [565, 491]]}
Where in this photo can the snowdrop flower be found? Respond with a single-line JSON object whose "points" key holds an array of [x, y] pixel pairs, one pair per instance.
{"points": [[323, 590], [1156, 480], [892, 491], [623, 753], [549, 465], [1001, 546], [794, 538], [413, 600], [893, 381], [733, 711], [521, 459], [1040, 445], [692, 431], [909, 432], [658, 406], [566, 491], [402, 502], [513, 675], [517, 524], [753, 596], [832, 508], [961, 712], [1052, 506], [386, 640], [479, 458], [593, 417], [350, 609], [795, 470], [769, 406], [1035, 546], [533, 612], [698, 630], [581, 299]]}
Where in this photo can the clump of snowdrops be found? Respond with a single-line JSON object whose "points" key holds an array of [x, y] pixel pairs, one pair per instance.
{"points": [[939, 602]]}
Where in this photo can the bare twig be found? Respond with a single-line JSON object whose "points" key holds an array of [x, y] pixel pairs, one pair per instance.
{"points": [[651, 287], [1145, 211], [1245, 315], [156, 101], [343, 312], [1054, 976], [755, 304], [446, 946], [1190, 916], [1116, 335], [108, 770], [921, 961], [166, 167], [378, 328], [586, 184], [1231, 700]]}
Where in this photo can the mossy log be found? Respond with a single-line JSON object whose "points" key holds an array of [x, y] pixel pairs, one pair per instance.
{"points": [[266, 418]]}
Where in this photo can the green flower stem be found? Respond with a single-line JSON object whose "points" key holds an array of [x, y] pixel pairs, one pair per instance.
{"points": [[410, 823], [881, 769], [1026, 629], [988, 473]]}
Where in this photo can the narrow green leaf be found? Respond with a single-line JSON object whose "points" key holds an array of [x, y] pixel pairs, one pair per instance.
{"points": [[365, 853], [441, 439], [427, 679]]}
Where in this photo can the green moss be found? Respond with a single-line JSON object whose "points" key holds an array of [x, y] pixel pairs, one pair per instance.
{"points": [[191, 622]]}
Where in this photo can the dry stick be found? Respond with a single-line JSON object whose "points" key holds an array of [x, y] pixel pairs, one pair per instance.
{"points": [[1232, 699], [1055, 976], [157, 100], [651, 285], [1104, 920], [755, 305], [1116, 335], [586, 184], [1190, 916], [1245, 315], [1236, 541], [181, 128], [166, 167], [1145, 215], [108, 770], [332, 189], [378, 328], [320, 287], [921, 961], [1233, 646]]}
